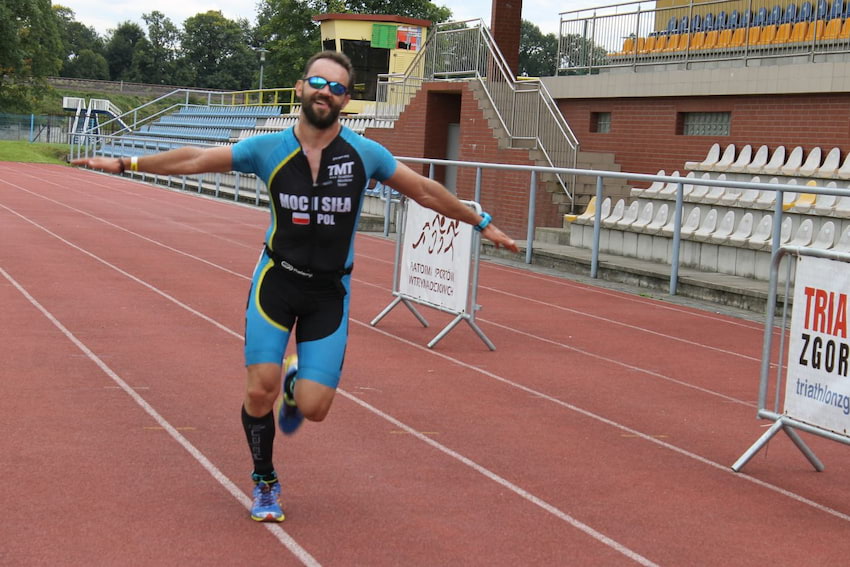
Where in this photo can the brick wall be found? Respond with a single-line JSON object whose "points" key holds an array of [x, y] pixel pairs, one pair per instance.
{"points": [[421, 132], [643, 130]]}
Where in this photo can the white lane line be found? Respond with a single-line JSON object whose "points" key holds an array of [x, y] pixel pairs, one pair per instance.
{"points": [[174, 433], [743, 476], [219, 476]]}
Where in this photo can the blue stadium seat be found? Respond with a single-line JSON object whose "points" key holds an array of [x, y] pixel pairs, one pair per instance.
{"points": [[672, 25], [720, 20], [733, 20], [791, 14], [774, 18], [837, 10], [708, 22], [822, 10], [745, 19], [696, 23], [761, 17], [684, 25], [805, 12]]}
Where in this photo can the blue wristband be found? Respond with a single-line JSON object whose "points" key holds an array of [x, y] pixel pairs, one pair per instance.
{"points": [[485, 220]]}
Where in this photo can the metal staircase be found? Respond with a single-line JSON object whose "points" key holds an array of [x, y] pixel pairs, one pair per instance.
{"points": [[526, 112]]}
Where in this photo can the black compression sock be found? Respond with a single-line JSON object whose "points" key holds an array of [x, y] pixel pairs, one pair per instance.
{"points": [[259, 431]]}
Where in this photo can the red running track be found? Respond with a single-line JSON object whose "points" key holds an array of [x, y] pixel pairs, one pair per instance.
{"points": [[600, 432]]}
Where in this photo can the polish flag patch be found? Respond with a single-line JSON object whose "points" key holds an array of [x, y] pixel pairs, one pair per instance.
{"points": [[300, 218]]}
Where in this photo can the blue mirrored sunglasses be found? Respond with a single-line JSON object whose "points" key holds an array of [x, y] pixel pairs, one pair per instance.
{"points": [[319, 83]]}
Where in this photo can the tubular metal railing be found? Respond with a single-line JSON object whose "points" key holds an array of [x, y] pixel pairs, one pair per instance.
{"points": [[693, 34], [524, 108]]}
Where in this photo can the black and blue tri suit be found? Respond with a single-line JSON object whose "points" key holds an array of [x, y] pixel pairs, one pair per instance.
{"points": [[302, 279]]}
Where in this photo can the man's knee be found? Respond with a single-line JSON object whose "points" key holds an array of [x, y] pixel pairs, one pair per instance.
{"points": [[313, 399], [263, 385]]}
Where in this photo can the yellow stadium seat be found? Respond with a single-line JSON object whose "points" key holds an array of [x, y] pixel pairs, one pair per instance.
{"points": [[648, 45], [753, 35], [724, 39], [767, 35], [783, 34], [710, 40], [698, 41], [739, 36], [845, 30], [798, 32], [660, 44], [833, 28], [673, 42], [815, 32]]}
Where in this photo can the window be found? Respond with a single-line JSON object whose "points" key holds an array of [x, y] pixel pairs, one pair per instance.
{"points": [[368, 62], [704, 123], [600, 122]]}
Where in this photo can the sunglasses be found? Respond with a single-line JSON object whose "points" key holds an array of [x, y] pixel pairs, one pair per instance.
{"points": [[319, 83]]}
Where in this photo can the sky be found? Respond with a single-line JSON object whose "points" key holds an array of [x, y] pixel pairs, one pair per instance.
{"points": [[103, 15]]}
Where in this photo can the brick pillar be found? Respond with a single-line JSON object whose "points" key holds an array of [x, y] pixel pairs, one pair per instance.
{"points": [[505, 23]]}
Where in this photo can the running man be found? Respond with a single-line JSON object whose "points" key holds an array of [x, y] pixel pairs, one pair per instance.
{"points": [[316, 173]]}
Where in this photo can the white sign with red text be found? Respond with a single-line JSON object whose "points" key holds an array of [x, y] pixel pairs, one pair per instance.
{"points": [[817, 388], [435, 259]]}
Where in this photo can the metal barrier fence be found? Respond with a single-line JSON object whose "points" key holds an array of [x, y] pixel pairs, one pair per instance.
{"points": [[817, 402], [640, 33], [248, 188], [34, 128]]}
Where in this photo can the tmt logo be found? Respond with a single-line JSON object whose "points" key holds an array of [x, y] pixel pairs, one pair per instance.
{"points": [[340, 169]]}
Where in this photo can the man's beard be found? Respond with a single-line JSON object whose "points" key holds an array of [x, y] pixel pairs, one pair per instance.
{"points": [[318, 121]]}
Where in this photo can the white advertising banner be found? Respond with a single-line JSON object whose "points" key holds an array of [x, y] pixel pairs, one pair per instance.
{"points": [[817, 388], [435, 259]]}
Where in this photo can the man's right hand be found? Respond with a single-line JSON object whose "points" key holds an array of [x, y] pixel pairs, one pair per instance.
{"points": [[112, 165]]}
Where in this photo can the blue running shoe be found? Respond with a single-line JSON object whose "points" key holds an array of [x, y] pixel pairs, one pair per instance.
{"points": [[289, 417], [266, 506]]}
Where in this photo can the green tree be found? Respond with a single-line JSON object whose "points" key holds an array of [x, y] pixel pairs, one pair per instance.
{"points": [[579, 55], [76, 39], [120, 49], [286, 28], [422, 9], [156, 60], [87, 65], [217, 51], [30, 51], [537, 52]]}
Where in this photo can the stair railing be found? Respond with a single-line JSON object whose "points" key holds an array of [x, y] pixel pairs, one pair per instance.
{"points": [[524, 108]]}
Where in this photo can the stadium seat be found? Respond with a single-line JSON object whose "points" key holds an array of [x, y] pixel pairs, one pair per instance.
{"points": [[689, 226], [758, 162], [745, 156], [804, 234], [724, 39], [733, 22], [825, 204], [697, 41], [774, 17], [644, 217], [720, 20], [806, 14], [749, 196], [727, 159], [774, 165], [836, 11], [786, 230], [659, 220], [708, 22], [793, 163], [815, 31], [825, 238], [753, 35], [845, 27], [616, 214], [843, 244], [707, 226], [830, 164], [760, 238], [821, 11], [710, 159], [743, 231], [630, 215], [588, 214], [783, 34], [799, 31], [669, 190], [843, 172], [767, 34], [832, 30], [739, 38], [842, 207], [725, 227], [813, 162], [804, 202], [790, 16]]}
